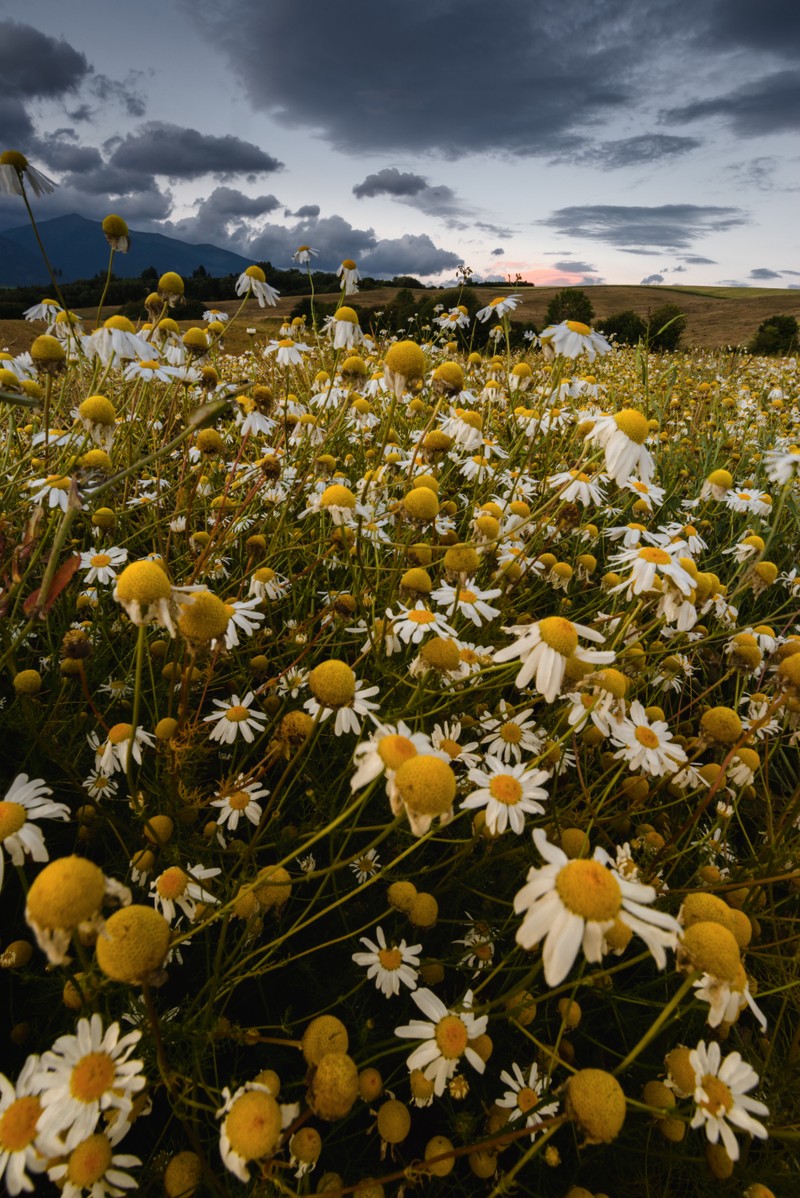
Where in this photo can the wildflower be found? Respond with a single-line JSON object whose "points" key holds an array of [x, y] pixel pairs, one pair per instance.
{"points": [[468, 601], [253, 281], [144, 590], [412, 624], [545, 648], [446, 1039], [366, 866], [100, 785], [727, 998], [235, 718], [287, 351], [47, 310], [93, 1167], [389, 965], [20, 1144], [116, 339], [349, 274], [782, 465], [424, 787], [147, 370], [646, 745], [67, 895], [26, 801], [499, 306], [721, 1097], [303, 254], [622, 437], [446, 738], [244, 616], [100, 567], [508, 793], [84, 1075], [177, 887], [510, 734], [121, 743], [54, 489], [571, 904], [524, 1098], [266, 584], [251, 1127], [15, 170], [575, 486], [646, 565], [241, 800]]}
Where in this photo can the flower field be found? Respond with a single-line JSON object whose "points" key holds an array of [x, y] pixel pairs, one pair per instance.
{"points": [[401, 761]]}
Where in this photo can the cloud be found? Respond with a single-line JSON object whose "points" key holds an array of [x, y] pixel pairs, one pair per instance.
{"points": [[161, 148], [411, 254], [677, 270], [498, 253], [579, 268], [647, 148], [128, 94], [321, 81], [771, 25], [304, 210], [650, 280], [698, 260], [763, 272], [672, 226], [391, 182], [35, 65], [756, 109], [224, 216], [59, 152]]}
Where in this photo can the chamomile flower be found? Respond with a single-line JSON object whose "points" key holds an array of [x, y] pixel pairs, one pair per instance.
{"points": [[182, 888], [253, 281], [446, 738], [646, 744], [82, 1076], [721, 1097], [468, 601], [575, 486], [287, 351], [524, 1097], [303, 254], [412, 624], [508, 793], [245, 617], [572, 338], [251, 1127], [347, 714], [389, 965], [622, 437], [647, 564], [93, 1168], [545, 647], [445, 1039], [236, 717], [571, 904], [239, 801], [512, 734], [349, 274], [385, 751], [366, 866], [20, 1111], [26, 801], [500, 306], [101, 567]]}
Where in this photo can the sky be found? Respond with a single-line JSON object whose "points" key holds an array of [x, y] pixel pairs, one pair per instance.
{"points": [[571, 142]]}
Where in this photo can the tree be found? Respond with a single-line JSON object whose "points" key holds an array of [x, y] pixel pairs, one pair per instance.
{"points": [[149, 273], [776, 335], [627, 327], [665, 327], [569, 304]]}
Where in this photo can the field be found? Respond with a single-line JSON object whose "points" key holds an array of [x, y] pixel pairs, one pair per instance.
{"points": [[401, 753]]}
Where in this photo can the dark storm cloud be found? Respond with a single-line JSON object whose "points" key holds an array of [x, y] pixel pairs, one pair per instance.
{"points": [[673, 226], [770, 25], [498, 253], [14, 121], [650, 280], [35, 65], [305, 210], [411, 254], [634, 151], [161, 148], [126, 94], [767, 105], [578, 268], [144, 209], [763, 272], [61, 154], [337, 82], [390, 182]]}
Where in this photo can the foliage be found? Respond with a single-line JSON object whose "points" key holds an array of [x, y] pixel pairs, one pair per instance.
{"points": [[571, 303], [665, 327], [627, 327], [776, 335]]}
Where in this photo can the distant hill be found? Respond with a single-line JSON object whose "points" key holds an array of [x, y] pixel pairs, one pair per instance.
{"points": [[77, 248]]}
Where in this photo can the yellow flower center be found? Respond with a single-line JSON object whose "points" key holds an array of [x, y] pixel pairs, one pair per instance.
{"points": [[527, 1099], [577, 326], [89, 1161], [393, 750], [465, 596], [12, 817], [238, 800], [18, 1124], [101, 559], [119, 733], [237, 713], [286, 343], [511, 733], [658, 557], [391, 958], [505, 789], [172, 883], [451, 1036], [451, 747], [719, 1097], [255, 272], [633, 424], [348, 264], [646, 736], [559, 634], [253, 1125], [421, 615], [91, 1077], [587, 889]]}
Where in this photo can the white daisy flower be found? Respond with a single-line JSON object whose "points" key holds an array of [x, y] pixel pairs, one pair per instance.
{"points": [[100, 785], [253, 281], [445, 1040], [20, 1110], [385, 751], [347, 716], [446, 738], [512, 734], [81, 1077], [570, 904], [721, 1097], [366, 866], [343, 328], [390, 965], [575, 486], [646, 744], [646, 564], [622, 437], [251, 1128], [524, 1097], [468, 601], [100, 567], [93, 1168], [572, 338], [545, 647], [177, 887], [245, 617], [288, 352], [349, 274], [499, 306], [239, 801], [781, 465], [411, 624], [52, 490], [25, 801], [508, 793], [235, 718], [726, 1000]]}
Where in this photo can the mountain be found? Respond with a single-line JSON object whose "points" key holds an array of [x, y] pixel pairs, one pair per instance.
{"points": [[78, 249]]}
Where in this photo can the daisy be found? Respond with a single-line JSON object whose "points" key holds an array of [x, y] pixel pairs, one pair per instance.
{"points": [[524, 1098], [646, 745], [726, 999], [412, 624], [253, 281], [114, 753], [148, 370], [92, 1168], [100, 567], [303, 254], [469, 601], [288, 352], [574, 486], [366, 866], [390, 965], [622, 437], [347, 716], [572, 338], [53, 490], [507, 792], [514, 732], [266, 584], [570, 904], [235, 718], [48, 309], [781, 465], [721, 1097], [26, 800], [649, 493], [15, 170], [545, 647], [479, 942], [20, 1110], [116, 340], [240, 800], [646, 565], [499, 306], [445, 1040], [385, 751], [251, 1127], [177, 887], [446, 738], [349, 274], [82, 1076], [100, 785], [244, 616]]}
